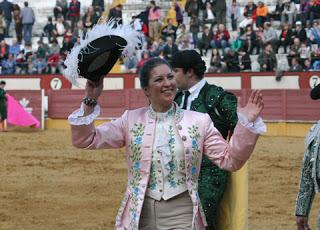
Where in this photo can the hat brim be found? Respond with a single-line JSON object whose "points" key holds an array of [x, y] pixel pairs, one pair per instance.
{"points": [[99, 56]]}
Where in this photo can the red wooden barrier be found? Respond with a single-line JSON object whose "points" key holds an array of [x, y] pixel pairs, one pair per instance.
{"points": [[294, 105]]}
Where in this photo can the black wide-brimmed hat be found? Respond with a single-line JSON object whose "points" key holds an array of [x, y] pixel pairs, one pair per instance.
{"points": [[315, 92], [100, 50]]}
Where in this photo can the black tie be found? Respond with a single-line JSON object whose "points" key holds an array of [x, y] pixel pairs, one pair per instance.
{"points": [[185, 102]]}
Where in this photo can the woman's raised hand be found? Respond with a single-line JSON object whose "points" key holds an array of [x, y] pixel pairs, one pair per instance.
{"points": [[94, 89], [254, 106]]}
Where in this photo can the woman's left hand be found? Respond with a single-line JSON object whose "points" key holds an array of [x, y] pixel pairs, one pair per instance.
{"points": [[254, 106]]}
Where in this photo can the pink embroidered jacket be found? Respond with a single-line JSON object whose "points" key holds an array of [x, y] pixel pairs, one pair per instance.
{"points": [[135, 130]]}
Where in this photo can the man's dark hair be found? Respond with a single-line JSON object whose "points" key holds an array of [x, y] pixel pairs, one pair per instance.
{"points": [[145, 71], [3, 82], [189, 59]]}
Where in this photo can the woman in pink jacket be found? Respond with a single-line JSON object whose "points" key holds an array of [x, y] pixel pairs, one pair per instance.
{"points": [[164, 146]]}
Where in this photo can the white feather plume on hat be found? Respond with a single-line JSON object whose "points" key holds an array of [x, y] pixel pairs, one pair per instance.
{"points": [[112, 27]]}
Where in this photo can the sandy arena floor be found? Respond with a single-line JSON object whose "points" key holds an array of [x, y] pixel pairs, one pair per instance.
{"points": [[47, 184]]}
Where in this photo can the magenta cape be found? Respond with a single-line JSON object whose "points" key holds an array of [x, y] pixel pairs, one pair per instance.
{"points": [[18, 116]]}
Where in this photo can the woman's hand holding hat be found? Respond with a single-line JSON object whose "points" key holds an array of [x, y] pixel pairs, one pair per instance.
{"points": [[94, 88], [92, 92], [254, 106]]}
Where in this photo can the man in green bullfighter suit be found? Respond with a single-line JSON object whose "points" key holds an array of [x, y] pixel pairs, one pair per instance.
{"points": [[3, 105], [189, 69]]}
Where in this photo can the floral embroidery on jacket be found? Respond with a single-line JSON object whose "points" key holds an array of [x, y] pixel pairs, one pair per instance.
{"points": [[173, 182], [195, 136], [137, 132], [153, 177]]}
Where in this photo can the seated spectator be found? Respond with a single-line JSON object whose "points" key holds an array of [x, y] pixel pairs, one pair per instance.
{"points": [[169, 49], [22, 65], [4, 50], [60, 9], [14, 48], [233, 12], [304, 52], [208, 16], [294, 50], [304, 12], [232, 60], [289, 12], [169, 30], [186, 43], [267, 59], [205, 40], [216, 63], [42, 51], [270, 35], [307, 65], [236, 41], [60, 28], [315, 33], [285, 38], [249, 14], [276, 14], [157, 47], [262, 14], [220, 38], [48, 29], [39, 66], [131, 63], [249, 39], [54, 48], [54, 57], [9, 65], [181, 33], [244, 60], [299, 32], [145, 56], [79, 31], [316, 65], [67, 45], [314, 10], [295, 66]]}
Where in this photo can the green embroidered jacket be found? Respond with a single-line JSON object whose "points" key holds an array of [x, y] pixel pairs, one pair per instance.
{"points": [[310, 173], [222, 108]]}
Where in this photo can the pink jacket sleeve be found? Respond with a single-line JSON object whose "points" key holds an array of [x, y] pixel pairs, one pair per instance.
{"points": [[108, 135], [233, 155]]}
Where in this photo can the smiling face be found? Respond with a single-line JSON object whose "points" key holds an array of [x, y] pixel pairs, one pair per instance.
{"points": [[161, 88]]}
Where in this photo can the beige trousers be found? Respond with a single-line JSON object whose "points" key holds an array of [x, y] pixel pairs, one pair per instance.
{"points": [[175, 213], [154, 30]]}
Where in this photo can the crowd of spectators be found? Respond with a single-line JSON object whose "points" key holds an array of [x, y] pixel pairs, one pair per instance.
{"points": [[199, 25], [255, 31]]}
